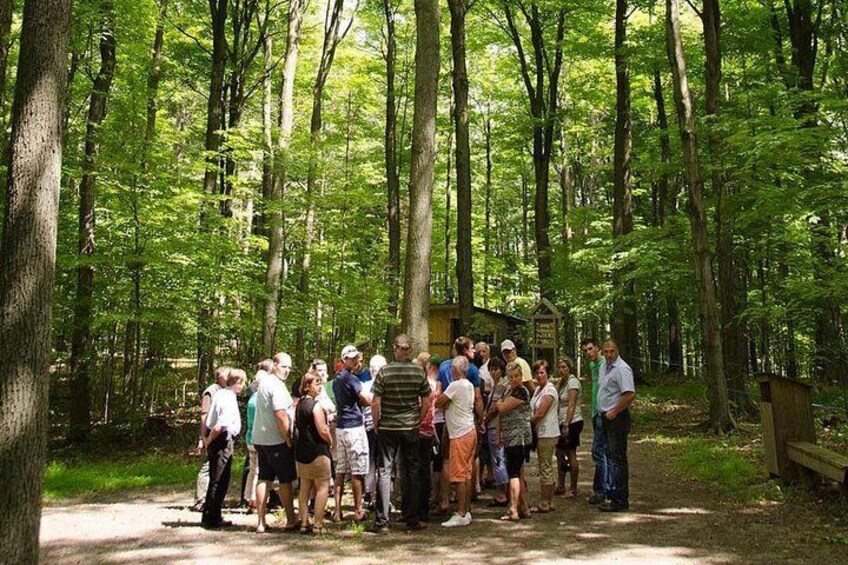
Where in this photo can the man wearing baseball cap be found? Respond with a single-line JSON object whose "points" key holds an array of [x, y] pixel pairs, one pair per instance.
{"points": [[351, 454], [510, 354]]}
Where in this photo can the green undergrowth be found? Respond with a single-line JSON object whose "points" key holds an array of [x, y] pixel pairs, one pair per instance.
{"points": [[85, 479], [731, 466]]}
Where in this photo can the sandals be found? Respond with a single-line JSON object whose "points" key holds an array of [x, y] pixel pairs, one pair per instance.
{"points": [[525, 515], [510, 518], [320, 531], [541, 509], [571, 494], [304, 530]]}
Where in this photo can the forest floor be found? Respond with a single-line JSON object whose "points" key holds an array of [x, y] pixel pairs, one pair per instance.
{"points": [[673, 519]]}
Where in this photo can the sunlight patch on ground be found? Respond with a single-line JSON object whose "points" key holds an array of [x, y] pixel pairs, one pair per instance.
{"points": [[683, 511]]}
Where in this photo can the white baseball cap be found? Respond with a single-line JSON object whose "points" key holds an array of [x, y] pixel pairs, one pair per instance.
{"points": [[507, 345], [349, 351]]}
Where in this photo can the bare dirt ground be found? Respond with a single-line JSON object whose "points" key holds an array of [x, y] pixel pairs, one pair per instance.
{"points": [[671, 521]]}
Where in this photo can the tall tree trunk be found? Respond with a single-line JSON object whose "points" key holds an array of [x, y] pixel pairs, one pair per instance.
{"points": [[276, 243], [416, 298], [267, 131], [81, 354], [132, 338], [464, 266], [333, 34], [392, 173], [541, 80], [27, 271], [720, 418], [487, 234], [625, 326], [732, 332], [214, 124], [667, 203], [830, 361], [448, 289]]}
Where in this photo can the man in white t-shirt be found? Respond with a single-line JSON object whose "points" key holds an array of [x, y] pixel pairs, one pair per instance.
{"points": [[460, 404], [272, 438]]}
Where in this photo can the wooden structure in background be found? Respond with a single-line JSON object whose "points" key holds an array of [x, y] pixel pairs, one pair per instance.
{"points": [[545, 342], [489, 326], [789, 435]]}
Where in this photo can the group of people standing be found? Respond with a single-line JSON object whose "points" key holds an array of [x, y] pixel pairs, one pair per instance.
{"points": [[429, 427]]}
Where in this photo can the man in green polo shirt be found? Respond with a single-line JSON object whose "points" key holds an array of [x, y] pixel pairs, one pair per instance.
{"points": [[602, 482]]}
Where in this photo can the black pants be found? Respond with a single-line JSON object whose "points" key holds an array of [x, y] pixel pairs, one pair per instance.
{"points": [[616, 432], [389, 445], [425, 478], [220, 454]]}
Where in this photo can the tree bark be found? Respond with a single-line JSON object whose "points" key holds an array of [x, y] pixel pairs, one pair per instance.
{"points": [[720, 418], [487, 234], [333, 34], [27, 271], [80, 362], [464, 264], [132, 337], [732, 331], [214, 125], [392, 173], [416, 298], [7, 12], [625, 325], [276, 240], [541, 80]]}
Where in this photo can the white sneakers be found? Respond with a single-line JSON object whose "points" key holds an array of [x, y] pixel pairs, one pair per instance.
{"points": [[457, 520]]}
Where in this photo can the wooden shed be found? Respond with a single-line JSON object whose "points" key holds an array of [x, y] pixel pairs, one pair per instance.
{"points": [[489, 326]]}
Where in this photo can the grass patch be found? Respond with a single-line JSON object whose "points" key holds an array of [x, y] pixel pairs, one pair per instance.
{"points": [[90, 478], [729, 466]]}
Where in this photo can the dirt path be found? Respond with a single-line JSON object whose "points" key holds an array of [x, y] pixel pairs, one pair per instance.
{"points": [[671, 521]]}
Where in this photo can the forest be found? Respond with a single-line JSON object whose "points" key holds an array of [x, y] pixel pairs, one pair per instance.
{"points": [[240, 177]]}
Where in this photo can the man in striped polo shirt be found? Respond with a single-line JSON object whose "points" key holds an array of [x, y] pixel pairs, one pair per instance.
{"points": [[401, 399]]}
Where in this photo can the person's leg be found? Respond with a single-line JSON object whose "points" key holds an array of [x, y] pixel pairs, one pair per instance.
{"points": [[514, 495], [498, 465], [262, 492], [617, 431], [462, 496], [358, 469], [202, 484], [409, 466], [322, 492], [600, 455], [341, 463], [387, 449], [424, 480], [523, 509], [371, 477], [211, 514], [286, 495], [306, 486], [250, 484], [546, 456], [575, 470], [561, 458]]}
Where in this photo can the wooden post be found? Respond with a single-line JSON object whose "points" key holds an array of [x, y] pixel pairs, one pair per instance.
{"points": [[787, 414]]}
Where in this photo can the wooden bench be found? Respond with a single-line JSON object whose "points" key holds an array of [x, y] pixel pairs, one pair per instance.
{"points": [[816, 458]]}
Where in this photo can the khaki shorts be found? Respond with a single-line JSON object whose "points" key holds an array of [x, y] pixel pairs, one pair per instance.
{"points": [[545, 449], [462, 451], [318, 470], [351, 451]]}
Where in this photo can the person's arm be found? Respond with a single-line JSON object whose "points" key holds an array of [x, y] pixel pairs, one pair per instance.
{"points": [[572, 407], [623, 404], [320, 417], [544, 406], [443, 401], [509, 404], [205, 403], [425, 407], [284, 425], [478, 411], [213, 434], [376, 406]]}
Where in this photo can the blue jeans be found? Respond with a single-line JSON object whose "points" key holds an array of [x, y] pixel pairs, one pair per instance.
{"points": [[602, 483], [498, 459], [617, 431]]}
